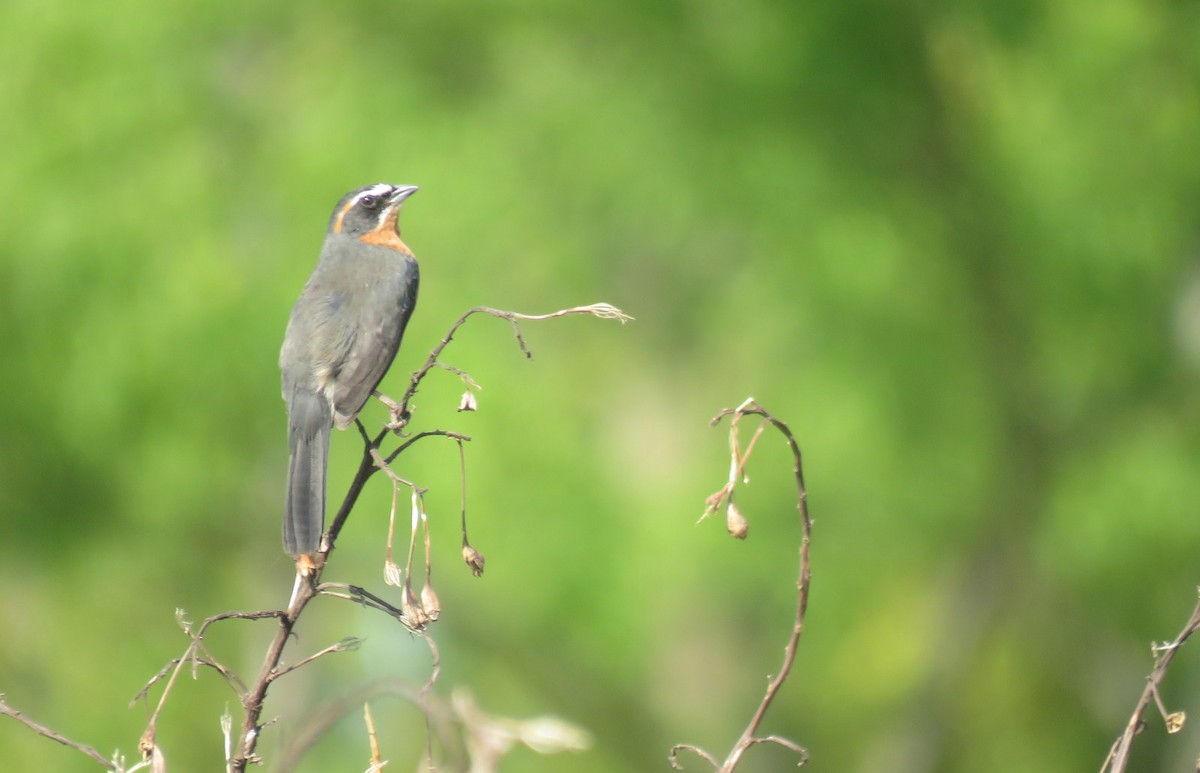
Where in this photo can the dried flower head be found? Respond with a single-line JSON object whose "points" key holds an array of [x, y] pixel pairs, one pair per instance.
{"points": [[473, 559], [735, 522], [431, 603], [414, 615]]}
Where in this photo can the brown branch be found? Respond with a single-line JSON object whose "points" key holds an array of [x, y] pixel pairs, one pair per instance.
{"points": [[307, 582], [366, 468], [46, 732], [247, 740], [365, 598], [421, 435], [305, 590], [1118, 755], [377, 762], [673, 757], [601, 310], [348, 644], [316, 725], [148, 743], [190, 655], [737, 467], [308, 578], [231, 678]]}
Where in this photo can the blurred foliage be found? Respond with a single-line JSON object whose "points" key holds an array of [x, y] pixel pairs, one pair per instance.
{"points": [[954, 245]]}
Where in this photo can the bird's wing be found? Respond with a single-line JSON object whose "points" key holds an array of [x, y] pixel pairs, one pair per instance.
{"points": [[381, 325], [367, 361]]}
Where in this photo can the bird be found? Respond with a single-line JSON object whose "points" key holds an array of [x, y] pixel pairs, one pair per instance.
{"points": [[341, 338]]}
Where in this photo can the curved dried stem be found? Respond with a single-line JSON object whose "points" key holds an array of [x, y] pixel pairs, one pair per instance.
{"points": [[372, 461], [310, 569], [673, 757], [55, 736], [438, 716], [724, 496], [601, 310], [1118, 755]]}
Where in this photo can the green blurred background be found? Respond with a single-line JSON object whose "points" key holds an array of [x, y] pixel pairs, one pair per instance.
{"points": [[953, 244]]}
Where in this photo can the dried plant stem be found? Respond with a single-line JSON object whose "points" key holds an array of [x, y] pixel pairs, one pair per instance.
{"points": [[372, 461], [42, 730], [315, 725], [749, 736], [309, 571], [1118, 755], [601, 310]]}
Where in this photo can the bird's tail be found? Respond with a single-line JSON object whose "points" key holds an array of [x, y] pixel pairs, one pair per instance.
{"points": [[309, 423]]}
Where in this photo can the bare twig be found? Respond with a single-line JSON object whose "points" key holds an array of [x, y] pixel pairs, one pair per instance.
{"points": [[42, 730], [231, 678], [466, 377], [601, 310], [348, 644], [364, 597], [673, 757], [244, 749], [309, 571], [421, 436], [1118, 755], [737, 469], [148, 743], [312, 727], [197, 656], [377, 762]]}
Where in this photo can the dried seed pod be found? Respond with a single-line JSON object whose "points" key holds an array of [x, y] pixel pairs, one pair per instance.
{"points": [[735, 522], [473, 559], [431, 603], [414, 615]]}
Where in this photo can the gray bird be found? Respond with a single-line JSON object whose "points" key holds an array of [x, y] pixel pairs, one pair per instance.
{"points": [[341, 338]]}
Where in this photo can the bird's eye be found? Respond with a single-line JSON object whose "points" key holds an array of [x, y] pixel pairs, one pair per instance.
{"points": [[370, 202]]}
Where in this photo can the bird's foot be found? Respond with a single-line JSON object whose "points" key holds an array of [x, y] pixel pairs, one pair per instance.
{"points": [[399, 416]]}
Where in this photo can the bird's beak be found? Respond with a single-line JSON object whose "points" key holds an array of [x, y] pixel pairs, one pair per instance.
{"points": [[400, 194]]}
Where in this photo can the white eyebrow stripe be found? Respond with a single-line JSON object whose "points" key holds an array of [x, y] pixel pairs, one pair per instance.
{"points": [[378, 189]]}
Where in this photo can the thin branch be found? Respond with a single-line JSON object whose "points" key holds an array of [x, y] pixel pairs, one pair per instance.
{"points": [[309, 571], [366, 468], [471, 557], [232, 679], [601, 310], [462, 488], [1118, 755], [310, 568], [46, 732], [148, 744], [312, 727], [376, 757], [462, 374], [349, 644], [364, 597], [673, 757], [738, 463], [244, 751], [416, 617], [420, 436]]}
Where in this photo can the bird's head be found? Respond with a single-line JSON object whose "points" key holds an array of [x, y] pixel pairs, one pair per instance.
{"points": [[371, 214]]}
